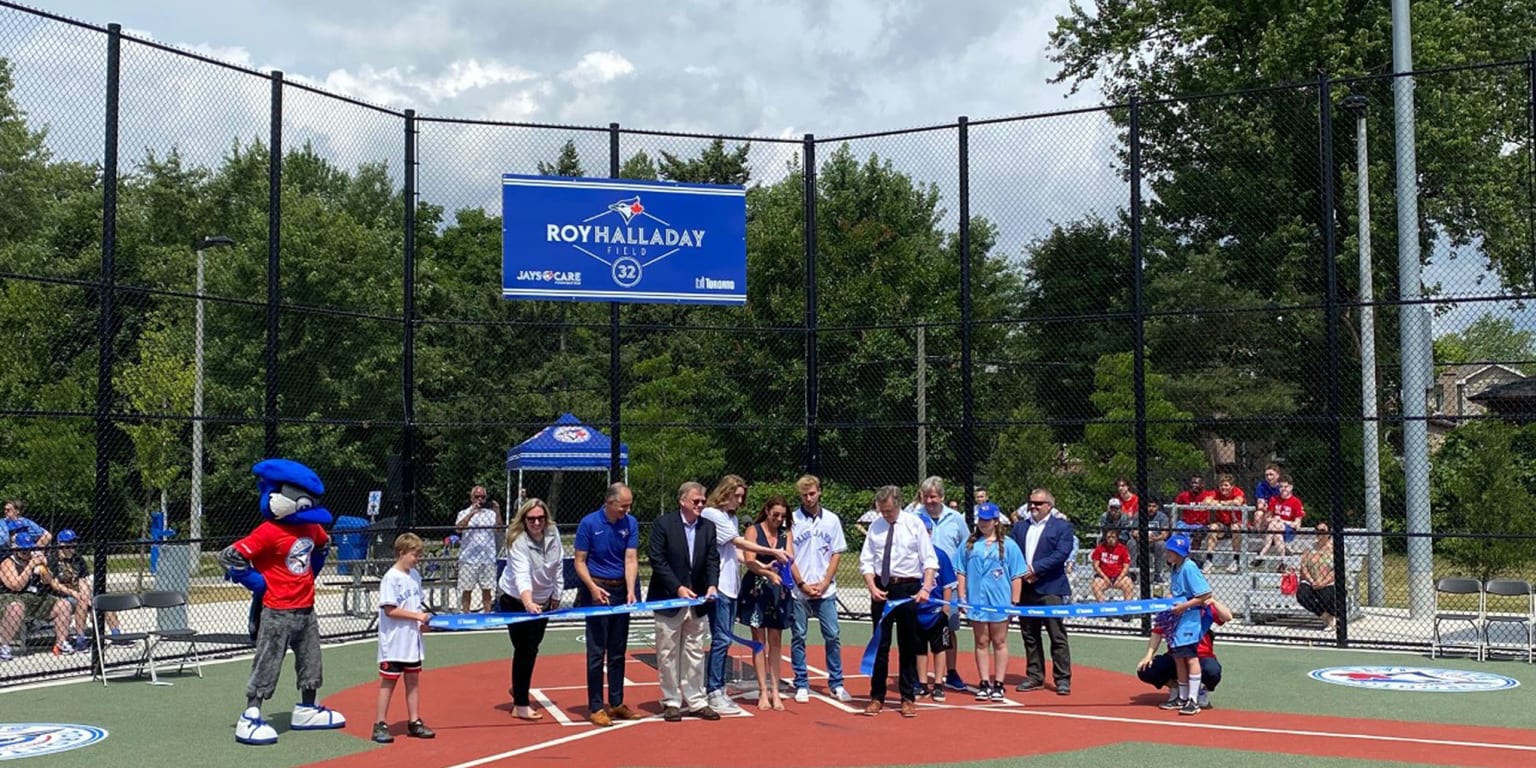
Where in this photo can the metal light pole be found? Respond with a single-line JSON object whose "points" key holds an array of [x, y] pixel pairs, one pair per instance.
{"points": [[1413, 338], [1356, 103], [195, 530]]}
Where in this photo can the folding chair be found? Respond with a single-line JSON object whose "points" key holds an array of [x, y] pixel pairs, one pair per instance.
{"points": [[163, 598], [1455, 591], [120, 603], [1508, 588]]}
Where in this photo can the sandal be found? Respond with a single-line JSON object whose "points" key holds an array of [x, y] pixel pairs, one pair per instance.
{"points": [[531, 715]]}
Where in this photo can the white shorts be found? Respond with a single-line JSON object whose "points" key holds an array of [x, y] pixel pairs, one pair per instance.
{"points": [[474, 576]]}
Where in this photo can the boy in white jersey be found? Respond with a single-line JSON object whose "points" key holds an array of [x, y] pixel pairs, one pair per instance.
{"points": [[402, 619]]}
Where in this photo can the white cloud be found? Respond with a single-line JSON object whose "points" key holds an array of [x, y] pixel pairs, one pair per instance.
{"points": [[598, 67]]}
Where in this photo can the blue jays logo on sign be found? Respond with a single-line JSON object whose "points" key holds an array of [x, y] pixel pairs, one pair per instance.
{"points": [[19, 740], [623, 240], [1418, 679]]}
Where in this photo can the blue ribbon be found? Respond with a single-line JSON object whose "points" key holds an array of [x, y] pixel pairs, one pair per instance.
{"points": [[464, 621], [752, 644], [1064, 611]]}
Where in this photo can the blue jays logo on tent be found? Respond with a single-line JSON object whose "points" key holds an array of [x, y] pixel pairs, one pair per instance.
{"points": [[1418, 679], [572, 434], [18, 740]]}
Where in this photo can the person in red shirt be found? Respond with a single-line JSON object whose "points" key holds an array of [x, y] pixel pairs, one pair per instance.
{"points": [[1226, 523], [1160, 671], [1195, 520], [1285, 513], [1110, 558], [278, 561]]}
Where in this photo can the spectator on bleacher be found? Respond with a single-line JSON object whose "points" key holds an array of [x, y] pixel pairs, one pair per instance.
{"points": [[28, 591], [1285, 514], [1161, 671], [1264, 494], [73, 574], [1316, 592], [1109, 560], [477, 524], [1194, 521], [1130, 503], [1121, 520], [1226, 523], [533, 581], [15, 523], [1159, 528]]}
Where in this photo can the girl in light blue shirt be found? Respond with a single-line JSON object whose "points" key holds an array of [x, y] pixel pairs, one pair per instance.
{"points": [[990, 571]]}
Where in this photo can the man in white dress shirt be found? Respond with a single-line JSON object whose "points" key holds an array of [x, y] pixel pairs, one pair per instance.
{"points": [[897, 561]]}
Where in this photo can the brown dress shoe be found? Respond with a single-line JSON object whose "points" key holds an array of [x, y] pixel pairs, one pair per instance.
{"points": [[908, 708], [600, 719], [672, 715], [873, 708], [704, 713], [623, 712]]}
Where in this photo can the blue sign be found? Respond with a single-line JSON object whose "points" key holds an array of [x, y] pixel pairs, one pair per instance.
{"points": [[623, 240]]}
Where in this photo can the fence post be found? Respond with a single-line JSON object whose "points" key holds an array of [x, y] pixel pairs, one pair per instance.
{"points": [[1138, 350], [274, 252], [1326, 220], [105, 504], [1530, 143], [812, 375], [407, 517], [615, 471], [967, 393]]}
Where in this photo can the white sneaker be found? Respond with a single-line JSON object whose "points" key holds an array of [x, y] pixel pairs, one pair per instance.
{"points": [[802, 695], [723, 704], [316, 718], [251, 729], [1232, 568], [842, 694]]}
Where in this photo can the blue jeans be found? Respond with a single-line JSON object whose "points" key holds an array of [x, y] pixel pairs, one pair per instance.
{"points": [[720, 621], [826, 613]]}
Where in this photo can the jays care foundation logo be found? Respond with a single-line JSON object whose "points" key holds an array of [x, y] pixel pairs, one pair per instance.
{"points": [[19, 740], [1418, 679]]}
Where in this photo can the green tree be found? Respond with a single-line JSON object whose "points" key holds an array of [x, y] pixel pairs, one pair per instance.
{"points": [[714, 165], [1109, 443], [1484, 483], [1488, 339], [567, 164]]}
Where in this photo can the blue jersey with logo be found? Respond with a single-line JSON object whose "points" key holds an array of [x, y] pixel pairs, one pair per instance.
{"points": [[989, 574], [1185, 583], [605, 542], [932, 612]]}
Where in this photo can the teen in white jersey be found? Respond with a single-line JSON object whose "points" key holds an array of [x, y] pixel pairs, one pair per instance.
{"points": [[402, 619], [819, 543]]}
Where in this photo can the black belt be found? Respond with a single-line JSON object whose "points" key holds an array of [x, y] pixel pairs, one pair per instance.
{"points": [[902, 580], [609, 582]]}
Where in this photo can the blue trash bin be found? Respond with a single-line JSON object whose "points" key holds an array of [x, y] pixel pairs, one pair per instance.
{"points": [[351, 541]]}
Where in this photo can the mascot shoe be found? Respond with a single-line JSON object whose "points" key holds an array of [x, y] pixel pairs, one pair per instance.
{"points": [[253, 730], [316, 718]]}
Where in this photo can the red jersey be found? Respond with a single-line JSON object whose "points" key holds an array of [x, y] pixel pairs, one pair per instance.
{"points": [[1229, 517], [1129, 507], [280, 553], [1112, 561], [1289, 509], [1206, 648], [1198, 517]]}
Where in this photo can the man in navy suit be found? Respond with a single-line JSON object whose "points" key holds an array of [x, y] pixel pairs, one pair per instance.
{"points": [[684, 563], [1046, 541]]}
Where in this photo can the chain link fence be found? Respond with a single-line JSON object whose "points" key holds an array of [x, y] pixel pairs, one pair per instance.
{"points": [[203, 264]]}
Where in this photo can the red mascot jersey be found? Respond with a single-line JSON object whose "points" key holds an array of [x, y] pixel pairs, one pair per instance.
{"points": [[280, 553]]}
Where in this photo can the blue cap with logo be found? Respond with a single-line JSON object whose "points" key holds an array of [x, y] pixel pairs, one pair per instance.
{"points": [[987, 512], [67, 535], [24, 540], [1178, 544]]}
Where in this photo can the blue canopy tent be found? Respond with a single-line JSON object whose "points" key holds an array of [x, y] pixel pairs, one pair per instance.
{"points": [[567, 445]]}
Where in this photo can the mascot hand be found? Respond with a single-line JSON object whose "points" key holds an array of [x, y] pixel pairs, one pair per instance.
{"points": [[247, 578], [253, 621]]}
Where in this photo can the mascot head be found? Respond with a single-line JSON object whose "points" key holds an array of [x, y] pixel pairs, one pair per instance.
{"points": [[290, 492]]}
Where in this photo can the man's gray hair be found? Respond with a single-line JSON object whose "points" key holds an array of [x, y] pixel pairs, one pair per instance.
{"points": [[888, 493], [614, 491], [689, 487], [934, 483]]}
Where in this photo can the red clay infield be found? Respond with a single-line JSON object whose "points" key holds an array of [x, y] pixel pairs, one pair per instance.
{"points": [[470, 709]]}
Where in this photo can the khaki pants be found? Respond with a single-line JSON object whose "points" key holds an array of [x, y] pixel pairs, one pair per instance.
{"points": [[682, 648]]}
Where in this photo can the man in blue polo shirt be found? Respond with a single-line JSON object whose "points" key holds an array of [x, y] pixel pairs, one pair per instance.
{"points": [[949, 535], [608, 564]]}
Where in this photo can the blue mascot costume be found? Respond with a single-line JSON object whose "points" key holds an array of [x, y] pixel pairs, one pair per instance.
{"points": [[278, 562]]}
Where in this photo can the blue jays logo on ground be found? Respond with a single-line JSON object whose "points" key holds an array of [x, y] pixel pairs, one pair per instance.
{"points": [[298, 555], [1418, 679], [19, 740]]}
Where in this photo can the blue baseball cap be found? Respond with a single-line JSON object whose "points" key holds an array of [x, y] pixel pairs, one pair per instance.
{"points": [[1178, 544], [24, 540], [987, 512], [66, 536]]}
